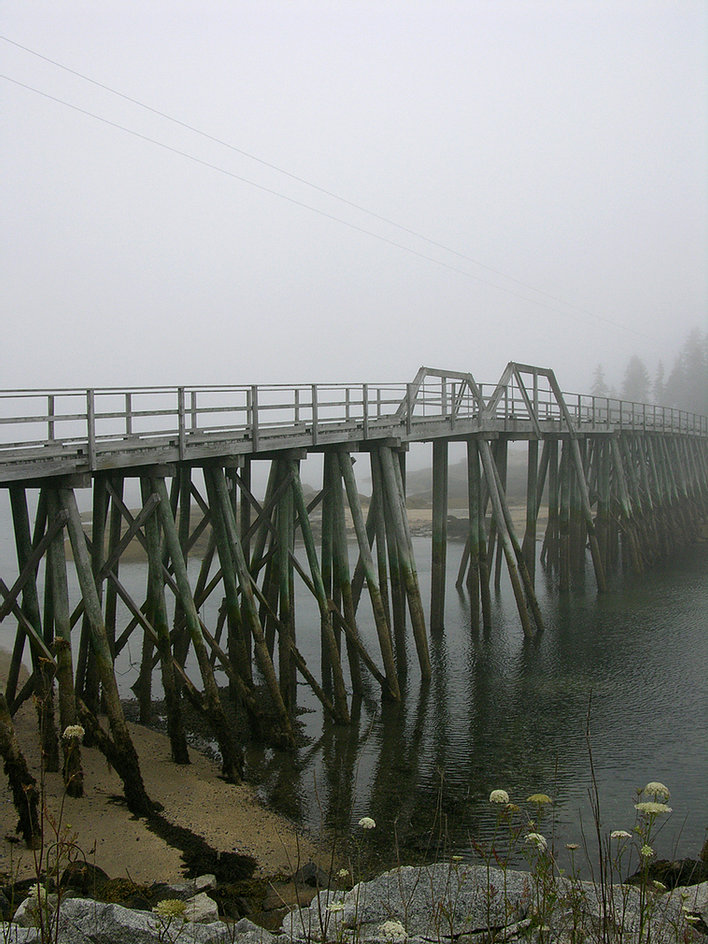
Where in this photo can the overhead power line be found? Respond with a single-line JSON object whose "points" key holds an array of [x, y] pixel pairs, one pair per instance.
{"points": [[536, 301], [302, 180]]}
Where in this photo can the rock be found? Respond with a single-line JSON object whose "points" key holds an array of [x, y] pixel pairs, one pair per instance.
{"points": [[673, 873], [12, 934], [249, 933], [201, 909], [203, 883], [695, 899], [311, 875], [84, 877], [460, 902], [28, 914], [442, 900], [83, 920]]}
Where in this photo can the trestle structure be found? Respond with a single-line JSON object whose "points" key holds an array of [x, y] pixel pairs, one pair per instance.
{"points": [[627, 482]]}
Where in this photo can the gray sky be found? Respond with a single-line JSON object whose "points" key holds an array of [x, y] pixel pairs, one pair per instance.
{"points": [[563, 144]]}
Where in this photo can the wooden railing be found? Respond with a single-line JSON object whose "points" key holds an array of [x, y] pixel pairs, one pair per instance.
{"points": [[89, 422]]}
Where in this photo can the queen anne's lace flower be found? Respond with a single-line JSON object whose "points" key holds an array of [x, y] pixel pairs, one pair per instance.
{"points": [[572, 846], [335, 906], [170, 908], [657, 790], [37, 892], [536, 839], [651, 808], [366, 822], [343, 873], [539, 798], [646, 851], [393, 931], [498, 796], [73, 732], [620, 834]]}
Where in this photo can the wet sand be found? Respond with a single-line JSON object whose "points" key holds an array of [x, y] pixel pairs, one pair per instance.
{"points": [[229, 818]]}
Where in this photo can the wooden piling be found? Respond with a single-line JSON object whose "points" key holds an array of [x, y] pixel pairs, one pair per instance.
{"points": [[30, 608], [126, 760], [393, 491], [382, 628], [439, 536], [508, 550], [72, 771]]}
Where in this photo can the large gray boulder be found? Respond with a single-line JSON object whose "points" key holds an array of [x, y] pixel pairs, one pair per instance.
{"points": [[461, 902], [444, 900]]}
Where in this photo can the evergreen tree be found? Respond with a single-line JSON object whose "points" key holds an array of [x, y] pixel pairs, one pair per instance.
{"points": [[599, 385], [636, 383], [659, 389], [687, 387]]}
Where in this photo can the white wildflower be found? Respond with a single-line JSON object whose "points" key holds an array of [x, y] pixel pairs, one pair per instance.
{"points": [[73, 732], [657, 790], [536, 839], [620, 834], [170, 908], [335, 906], [499, 796], [343, 873], [651, 808], [646, 851], [366, 822], [392, 931], [572, 846], [37, 892], [539, 798]]}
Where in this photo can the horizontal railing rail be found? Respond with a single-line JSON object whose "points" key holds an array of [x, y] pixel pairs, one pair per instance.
{"points": [[89, 422]]}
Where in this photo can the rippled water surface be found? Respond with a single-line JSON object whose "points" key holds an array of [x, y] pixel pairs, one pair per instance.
{"points": [[502, 711], [505, 712]]}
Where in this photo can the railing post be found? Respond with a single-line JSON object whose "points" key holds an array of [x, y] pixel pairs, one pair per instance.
{"points": [[365, 409], [182, 438], [253, 411], [443, 395], [378, 403], [128, 414], [297, 404], [50, 417], [193, 409], [347, 404], [314, 414], [91, 428], [409, 408]]}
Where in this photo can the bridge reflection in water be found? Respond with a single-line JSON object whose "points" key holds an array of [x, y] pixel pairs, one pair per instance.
{"points": [[626, 481]]}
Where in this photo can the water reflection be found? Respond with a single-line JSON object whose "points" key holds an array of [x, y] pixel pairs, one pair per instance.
{"points": [[504, 711]]}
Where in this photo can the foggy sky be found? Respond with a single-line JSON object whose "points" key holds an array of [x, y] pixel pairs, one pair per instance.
{"points": [[563, 144]]}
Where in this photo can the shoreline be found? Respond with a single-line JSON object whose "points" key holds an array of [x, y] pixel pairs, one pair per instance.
{"points": [[228, 818]]}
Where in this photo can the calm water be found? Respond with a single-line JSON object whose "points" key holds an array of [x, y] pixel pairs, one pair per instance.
{"points": [[502, 711], [505, 712]]}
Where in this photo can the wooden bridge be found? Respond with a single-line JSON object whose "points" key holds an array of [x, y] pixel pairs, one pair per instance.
{"points": [[627, 480]]}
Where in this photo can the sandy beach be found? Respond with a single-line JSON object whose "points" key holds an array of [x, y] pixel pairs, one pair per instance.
{"points": [[229, 818]]}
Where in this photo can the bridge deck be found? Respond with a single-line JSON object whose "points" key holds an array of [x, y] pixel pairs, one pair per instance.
{"points": [[58, 432]]}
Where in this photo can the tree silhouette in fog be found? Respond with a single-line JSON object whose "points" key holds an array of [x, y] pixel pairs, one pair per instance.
{"points": [[636, 384], [687, 386]]}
